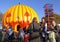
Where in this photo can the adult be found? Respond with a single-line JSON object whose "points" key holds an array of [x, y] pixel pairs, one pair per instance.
{"points": [[11, 34], [58, 33], [44, 29], [34, 28], [52, 35], [55, 29], [4, 34], [54, 25]]}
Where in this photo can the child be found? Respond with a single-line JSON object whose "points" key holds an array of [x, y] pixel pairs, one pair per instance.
{"points": [[26, 37], [20, 34]]}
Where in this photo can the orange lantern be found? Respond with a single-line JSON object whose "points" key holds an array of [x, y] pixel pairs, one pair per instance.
{"points": [[18, 15]]}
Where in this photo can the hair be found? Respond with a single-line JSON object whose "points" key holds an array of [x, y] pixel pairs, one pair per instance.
{"points": [[51, 27], [34, 19], [18, 26]]}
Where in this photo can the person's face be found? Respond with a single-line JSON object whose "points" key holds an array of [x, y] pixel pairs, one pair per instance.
{"points": [[20, 29], [43, 20], [35, 20], [54, 23]]}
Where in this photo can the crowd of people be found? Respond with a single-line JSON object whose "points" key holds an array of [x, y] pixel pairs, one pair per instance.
{"points": [[46, 34]]}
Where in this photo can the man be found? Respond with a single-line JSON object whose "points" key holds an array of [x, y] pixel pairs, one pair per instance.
{"points": [[11, 34], [34, 28]]}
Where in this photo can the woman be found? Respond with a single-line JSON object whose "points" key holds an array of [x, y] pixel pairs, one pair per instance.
{"points": [[55, 29], [44, 29]]}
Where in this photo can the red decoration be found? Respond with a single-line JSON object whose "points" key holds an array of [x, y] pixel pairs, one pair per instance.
{"points": [[26, 37], [27, 14], [8, 15]]}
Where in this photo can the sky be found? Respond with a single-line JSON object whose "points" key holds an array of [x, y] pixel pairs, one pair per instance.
{"points": [[37, 5]]}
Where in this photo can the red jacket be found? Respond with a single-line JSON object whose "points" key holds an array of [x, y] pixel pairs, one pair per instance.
{"points": [[26, 37]]}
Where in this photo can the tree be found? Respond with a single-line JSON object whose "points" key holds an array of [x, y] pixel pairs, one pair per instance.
{"points": [[1, 15], [55, 17]]}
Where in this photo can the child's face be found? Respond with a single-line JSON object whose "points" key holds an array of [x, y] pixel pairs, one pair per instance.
{"points": [[20, 29]]}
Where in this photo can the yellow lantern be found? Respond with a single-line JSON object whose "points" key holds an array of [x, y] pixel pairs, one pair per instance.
{"points": [[18, 15]]}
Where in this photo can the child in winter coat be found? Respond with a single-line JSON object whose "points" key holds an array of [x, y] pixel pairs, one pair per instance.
{"points": [[20, 35]]}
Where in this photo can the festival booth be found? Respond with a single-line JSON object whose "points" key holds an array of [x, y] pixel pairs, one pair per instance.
{"points": [[18, 15]]}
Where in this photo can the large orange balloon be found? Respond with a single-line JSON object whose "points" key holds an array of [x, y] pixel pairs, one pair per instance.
{"points": [[18, 14]]}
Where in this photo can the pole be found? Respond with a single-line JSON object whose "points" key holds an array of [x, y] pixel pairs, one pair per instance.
{"points": [[48, 21]]}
